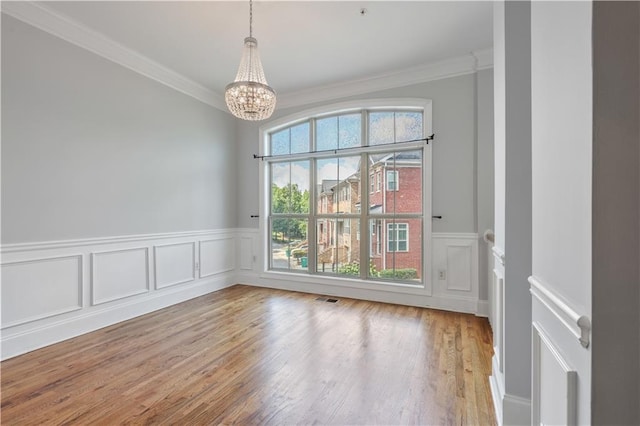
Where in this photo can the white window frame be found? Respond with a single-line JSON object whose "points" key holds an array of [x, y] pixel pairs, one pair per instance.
{"points": [[395, 240], [396, 180], [340, 108]]}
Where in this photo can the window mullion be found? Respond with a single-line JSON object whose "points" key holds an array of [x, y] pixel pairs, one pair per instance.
{"points": [[365, 243], [364, 214], [311, 227]]}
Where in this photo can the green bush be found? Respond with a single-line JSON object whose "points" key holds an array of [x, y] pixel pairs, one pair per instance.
{"points": [[353, 268], [400, 274]]}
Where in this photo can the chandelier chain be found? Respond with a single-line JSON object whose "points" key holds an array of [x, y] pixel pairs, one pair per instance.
{"points": [[250, 18]]}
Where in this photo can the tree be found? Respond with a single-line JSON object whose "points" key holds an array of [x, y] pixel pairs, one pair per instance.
{"points": [[289, 199]]}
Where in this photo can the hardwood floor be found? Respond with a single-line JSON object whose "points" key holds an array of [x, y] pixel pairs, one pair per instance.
{"points": [[249, 355]]}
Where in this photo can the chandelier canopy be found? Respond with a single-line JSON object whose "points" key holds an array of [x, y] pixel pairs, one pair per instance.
{"points": [[249, 97]]}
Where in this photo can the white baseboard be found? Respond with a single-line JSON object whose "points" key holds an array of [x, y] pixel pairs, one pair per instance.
{"points": [[516, 410], [497, 395], [77, 286], [443, 302], [55, 290], [482, 309], [510, 410], [14, 344]]}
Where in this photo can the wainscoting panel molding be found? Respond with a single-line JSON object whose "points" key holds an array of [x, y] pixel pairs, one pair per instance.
{"points": [[459, 265], [579, 325], [55, 290], [174, 264], [554, 393], [246, 253], [40, 288], [217, 256], [118, 274]]}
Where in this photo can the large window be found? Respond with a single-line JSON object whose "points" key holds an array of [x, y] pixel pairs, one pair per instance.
{"points": [[336, 206]]}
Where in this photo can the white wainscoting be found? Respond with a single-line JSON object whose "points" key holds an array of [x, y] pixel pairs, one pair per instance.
{"points": [[554, 383], [118, 274], [496, 292], [454, 253], [217, 256], [174, 263], [53, 286], [53, 291], [561, 357]]}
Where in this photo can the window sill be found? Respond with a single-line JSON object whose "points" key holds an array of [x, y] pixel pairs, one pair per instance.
{"points": [[336, 281]]}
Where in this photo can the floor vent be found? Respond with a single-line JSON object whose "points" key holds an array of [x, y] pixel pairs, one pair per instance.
{"points": [[325, 299]]}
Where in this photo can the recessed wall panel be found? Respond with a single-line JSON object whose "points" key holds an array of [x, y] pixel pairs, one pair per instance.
{"points": [[119, 274], [40, 288], [174, 264], [217, 256], [459, 265]]}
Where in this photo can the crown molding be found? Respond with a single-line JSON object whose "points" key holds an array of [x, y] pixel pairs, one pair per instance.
{"points": [[484, 59], [448, 68], [45, 19]]}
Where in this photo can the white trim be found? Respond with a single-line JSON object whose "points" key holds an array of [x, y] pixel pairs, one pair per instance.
{"points": [[48, 245], [55, 23], [455, 236], [17, 343], [482, 308], [348, 106], [66, 28], [497, 395], [447, 68], [155, 264], [357, 289], [484, 59], [96, 254], [80, 283], [540, 339], [498, 253], [218, 271], [516, 410], [579, 325]]}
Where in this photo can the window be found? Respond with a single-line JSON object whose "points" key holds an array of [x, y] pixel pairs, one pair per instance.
{"points": [[327, 210], [392, 181], [397, 237]]}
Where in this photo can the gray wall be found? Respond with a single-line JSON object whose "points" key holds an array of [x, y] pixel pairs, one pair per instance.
{"points": [[454, 161], [616, 226], [484, 171], [517, 226], [92, 149]]}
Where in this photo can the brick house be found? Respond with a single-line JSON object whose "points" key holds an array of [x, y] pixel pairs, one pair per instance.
{"points": [[395, 186]]}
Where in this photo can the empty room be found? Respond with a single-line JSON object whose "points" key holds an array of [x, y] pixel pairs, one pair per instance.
{"points": [[321, 212]]}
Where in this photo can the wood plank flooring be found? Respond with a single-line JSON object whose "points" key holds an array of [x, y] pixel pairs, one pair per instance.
{"points": [[247, 355]]}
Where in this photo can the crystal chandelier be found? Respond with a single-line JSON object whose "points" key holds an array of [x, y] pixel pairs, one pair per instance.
{"points": [[249, 97]]}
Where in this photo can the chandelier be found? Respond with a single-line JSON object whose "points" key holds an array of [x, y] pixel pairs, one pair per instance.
{"points": [[249, 97]]}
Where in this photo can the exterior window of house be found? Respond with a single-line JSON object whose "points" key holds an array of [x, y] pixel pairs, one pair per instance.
{"points": [[392, 181], [397, 237], [322, 220]]}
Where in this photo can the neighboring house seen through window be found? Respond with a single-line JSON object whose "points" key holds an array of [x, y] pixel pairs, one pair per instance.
{"points": [[316, 198]]}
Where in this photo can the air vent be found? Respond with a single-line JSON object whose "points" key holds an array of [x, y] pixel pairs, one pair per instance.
{"points": [[326, 299]]}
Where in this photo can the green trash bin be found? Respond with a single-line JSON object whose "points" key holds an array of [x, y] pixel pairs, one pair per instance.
{"points": [[303, 262]]}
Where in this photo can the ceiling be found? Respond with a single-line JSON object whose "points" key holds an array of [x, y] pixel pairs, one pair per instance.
{"points": [[303, 45]]}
